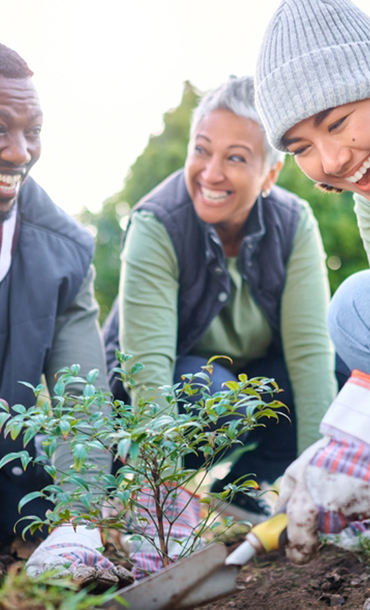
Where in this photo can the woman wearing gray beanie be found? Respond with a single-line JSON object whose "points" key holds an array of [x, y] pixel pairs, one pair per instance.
{"points": [[313, 94]]}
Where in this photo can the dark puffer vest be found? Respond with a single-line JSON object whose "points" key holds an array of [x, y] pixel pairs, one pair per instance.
{"points": [[204, 280], [50, 261]]}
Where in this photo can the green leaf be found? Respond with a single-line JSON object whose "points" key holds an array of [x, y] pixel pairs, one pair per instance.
{"points": [[4, 405], [59, 388], [92, 375], [123, 448], [49, 447], [134, 451], [29, 497], [86, 500], [3, 418], [79, 456], [79, 481], [25, 459], [19, 409], [9, 457], [89, 391], [124, 496], [51, 470], [137, 367], [232, 385], [29, 434], [65, 427], [28, 385], [270, 413]]}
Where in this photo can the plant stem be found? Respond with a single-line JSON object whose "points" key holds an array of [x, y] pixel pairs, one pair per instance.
{"points": [[159, 514]]}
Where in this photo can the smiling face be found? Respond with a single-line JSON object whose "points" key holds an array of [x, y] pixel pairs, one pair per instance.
{"points": [[334, 147], [20, 126], [225, 169]]}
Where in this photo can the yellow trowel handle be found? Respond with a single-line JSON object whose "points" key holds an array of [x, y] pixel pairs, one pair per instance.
{"points": [[272, 533], [266, 536]]}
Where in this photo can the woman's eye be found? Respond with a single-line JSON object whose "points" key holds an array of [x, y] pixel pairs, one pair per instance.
{"points": [[237, 158], [337, 124], [200, 149], [299, 151]]}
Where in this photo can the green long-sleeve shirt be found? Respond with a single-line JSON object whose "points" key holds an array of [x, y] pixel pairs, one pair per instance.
{"points": [[148, 317], [362, 209], [77, 339]]}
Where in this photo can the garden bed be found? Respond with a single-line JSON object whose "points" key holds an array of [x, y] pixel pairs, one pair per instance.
{"points": [[334, 578]]}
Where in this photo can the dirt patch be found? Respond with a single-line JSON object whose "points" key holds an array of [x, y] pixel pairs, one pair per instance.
{"points": [[335, 578]]}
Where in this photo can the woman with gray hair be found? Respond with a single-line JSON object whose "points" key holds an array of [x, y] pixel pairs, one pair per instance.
{"points": [[218, 260]]}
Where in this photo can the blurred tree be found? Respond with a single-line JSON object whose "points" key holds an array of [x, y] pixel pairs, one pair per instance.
{"points": [[337, 222], [166, 153]]}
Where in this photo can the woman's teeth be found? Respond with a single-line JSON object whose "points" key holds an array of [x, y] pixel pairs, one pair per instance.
{"points": [[214, 195], [360, 172]]}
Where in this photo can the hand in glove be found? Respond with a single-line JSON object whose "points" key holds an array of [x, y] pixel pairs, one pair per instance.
{"points": [[73, 551], [328, 486]]}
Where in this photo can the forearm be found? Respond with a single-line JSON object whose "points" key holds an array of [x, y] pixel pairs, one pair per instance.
{"points": [[78, 340], [148, 305], [307, 347]]}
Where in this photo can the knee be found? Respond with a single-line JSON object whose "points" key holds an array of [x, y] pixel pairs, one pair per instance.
{"points": [[193, 364], [349, 321]]}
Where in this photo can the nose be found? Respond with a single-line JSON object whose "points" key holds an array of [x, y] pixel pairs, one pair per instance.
{"points": [[335, 159], [16, 150], [213, 170]]}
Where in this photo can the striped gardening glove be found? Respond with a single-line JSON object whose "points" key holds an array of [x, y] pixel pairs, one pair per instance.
{"points": [[328, 486], [70, 551]]}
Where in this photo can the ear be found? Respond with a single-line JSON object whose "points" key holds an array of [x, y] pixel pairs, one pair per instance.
{"points": [[272, 176]]}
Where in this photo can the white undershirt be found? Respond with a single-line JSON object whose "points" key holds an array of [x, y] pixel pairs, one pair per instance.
{"points": [[8, 229]]}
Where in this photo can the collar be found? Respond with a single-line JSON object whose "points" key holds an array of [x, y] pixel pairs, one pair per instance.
{"points": [[7, 239], [255, 229]]}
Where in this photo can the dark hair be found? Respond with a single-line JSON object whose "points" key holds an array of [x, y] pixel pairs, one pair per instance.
{"points": [[327, 188], [12, 65]]}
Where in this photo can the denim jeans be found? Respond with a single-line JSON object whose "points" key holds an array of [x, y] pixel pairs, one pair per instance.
{"points": [[270, 449], [349, 321]]}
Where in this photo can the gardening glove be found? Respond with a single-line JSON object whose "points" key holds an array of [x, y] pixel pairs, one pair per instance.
{"points": [[70, 550], [181, 513], [328, 487]]}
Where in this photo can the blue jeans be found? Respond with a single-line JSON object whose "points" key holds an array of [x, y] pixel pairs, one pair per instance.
{"points": [[349, 321], [274, 446]]}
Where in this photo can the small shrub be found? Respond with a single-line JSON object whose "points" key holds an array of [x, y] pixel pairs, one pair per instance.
{"points": [[150, 442]]}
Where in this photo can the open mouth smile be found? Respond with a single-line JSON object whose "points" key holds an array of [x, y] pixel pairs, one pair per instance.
{"points": [[214, 196], [9, 181], [360, 173]]}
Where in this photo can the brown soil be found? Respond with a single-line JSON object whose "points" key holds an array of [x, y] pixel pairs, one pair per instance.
{"points": [[335, 578]]}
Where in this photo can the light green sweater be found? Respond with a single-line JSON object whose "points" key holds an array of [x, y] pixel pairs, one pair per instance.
{"points": [[148, 317]]}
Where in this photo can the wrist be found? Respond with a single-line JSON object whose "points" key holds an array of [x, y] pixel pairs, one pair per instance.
{"points": [[74, 535], [348, 417]]}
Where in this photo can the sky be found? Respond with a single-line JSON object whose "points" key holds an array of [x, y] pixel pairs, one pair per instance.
{"points": [[107, 70]]}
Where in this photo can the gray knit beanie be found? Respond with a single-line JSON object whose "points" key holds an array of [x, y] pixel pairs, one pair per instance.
{"points": [[315, 55]]}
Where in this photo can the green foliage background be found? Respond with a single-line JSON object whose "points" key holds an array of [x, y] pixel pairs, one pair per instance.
{"points": [[166, 153]]}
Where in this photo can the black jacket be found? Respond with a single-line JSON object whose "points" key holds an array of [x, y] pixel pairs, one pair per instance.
{"points": [[204, 281]]}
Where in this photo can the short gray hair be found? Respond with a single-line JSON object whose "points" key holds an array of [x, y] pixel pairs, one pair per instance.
{"points": [[237, 96]]}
